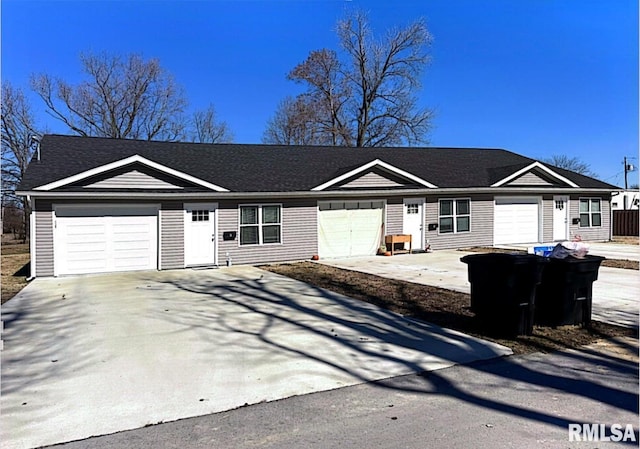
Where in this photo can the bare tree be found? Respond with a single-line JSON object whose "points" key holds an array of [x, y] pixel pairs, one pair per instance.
{"points": [[123, 97], [328, 91], [367, 97], [18, 133], [384, 76], [295, 123], [570, 163], [206, 128]]}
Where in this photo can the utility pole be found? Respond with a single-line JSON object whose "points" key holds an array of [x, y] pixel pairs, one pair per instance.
{"points": [[625, 172], [628, 167]]}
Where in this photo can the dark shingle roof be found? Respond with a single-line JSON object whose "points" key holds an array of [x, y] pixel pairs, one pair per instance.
{"points": [[272, 168]]}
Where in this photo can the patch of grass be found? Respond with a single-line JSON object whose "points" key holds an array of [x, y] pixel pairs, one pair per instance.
{"points": [[626, 239], [17, 248], [14, 269], [439, 306]]}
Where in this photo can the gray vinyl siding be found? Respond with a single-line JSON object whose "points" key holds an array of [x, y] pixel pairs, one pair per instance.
{"points": [[44, 238], [394, 214], [530, 179], [172, 235], [373, 180], [600, 233], [133, 179], [547, 218], [299, 233], [481, 233]]}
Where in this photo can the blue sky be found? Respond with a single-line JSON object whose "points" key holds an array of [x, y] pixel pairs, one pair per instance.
{"points": [[538, 77]]}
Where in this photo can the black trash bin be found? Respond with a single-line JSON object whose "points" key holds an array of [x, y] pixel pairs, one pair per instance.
{"points": [[503, 290], [565, 294]]}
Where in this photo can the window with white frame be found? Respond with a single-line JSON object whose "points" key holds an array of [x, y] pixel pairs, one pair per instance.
{"points": [[260, 224], [590, 212], [455, 216]]}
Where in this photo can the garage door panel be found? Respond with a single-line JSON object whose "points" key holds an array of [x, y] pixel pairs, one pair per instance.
{"points": [[98, 239], [366, 231], [516, 220], [131, 262], [333, 232], [351, 228], [86, 264]]}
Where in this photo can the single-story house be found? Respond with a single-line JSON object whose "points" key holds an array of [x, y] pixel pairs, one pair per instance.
{"points": [[102, 205]]}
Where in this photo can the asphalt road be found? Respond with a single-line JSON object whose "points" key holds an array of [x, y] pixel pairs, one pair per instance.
{"points": [[512, 402]]}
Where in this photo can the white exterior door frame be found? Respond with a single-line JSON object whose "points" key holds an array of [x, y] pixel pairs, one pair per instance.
{"points": [[200, 234], [560, 217], [413, 221]]}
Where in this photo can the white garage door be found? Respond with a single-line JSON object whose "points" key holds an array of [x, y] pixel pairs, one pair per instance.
{"points": [[351, 228], [101, 239], [516, 220]]}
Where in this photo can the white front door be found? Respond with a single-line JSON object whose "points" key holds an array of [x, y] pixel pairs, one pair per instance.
{"points": [[200, 234], [560, 217], [413, 221]]}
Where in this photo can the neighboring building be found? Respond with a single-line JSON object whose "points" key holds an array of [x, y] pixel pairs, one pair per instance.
{"points": [[625, 200], [102, 205]]}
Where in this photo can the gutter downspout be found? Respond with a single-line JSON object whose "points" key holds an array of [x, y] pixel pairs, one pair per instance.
{"points": [[32, 238], [610, 222]]}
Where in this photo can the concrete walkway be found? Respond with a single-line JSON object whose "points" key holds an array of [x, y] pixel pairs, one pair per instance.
{"points": [[93, 355], [616, 293]]}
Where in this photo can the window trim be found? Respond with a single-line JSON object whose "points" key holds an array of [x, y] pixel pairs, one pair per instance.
{"points": [[590, 213], [260, 224], [454, 215]]}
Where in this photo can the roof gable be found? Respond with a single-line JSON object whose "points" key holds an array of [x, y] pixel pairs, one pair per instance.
{"points": [[374, 174], [124, 179], [534, 174]]}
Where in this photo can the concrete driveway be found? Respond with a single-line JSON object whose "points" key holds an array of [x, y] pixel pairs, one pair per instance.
{"points": [[616, 293], [94, 355]]}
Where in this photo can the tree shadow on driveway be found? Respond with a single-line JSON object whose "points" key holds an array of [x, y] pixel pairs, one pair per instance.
{"points": [[366, 343]]}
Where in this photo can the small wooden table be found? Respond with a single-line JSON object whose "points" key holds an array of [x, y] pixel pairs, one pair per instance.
{"points": [[397, 238]]}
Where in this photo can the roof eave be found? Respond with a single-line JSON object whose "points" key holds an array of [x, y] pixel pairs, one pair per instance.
{"points": [[314, 194]]}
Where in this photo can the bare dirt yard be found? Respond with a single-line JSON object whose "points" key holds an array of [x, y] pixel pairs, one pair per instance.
{"points": [[445, 308]]}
